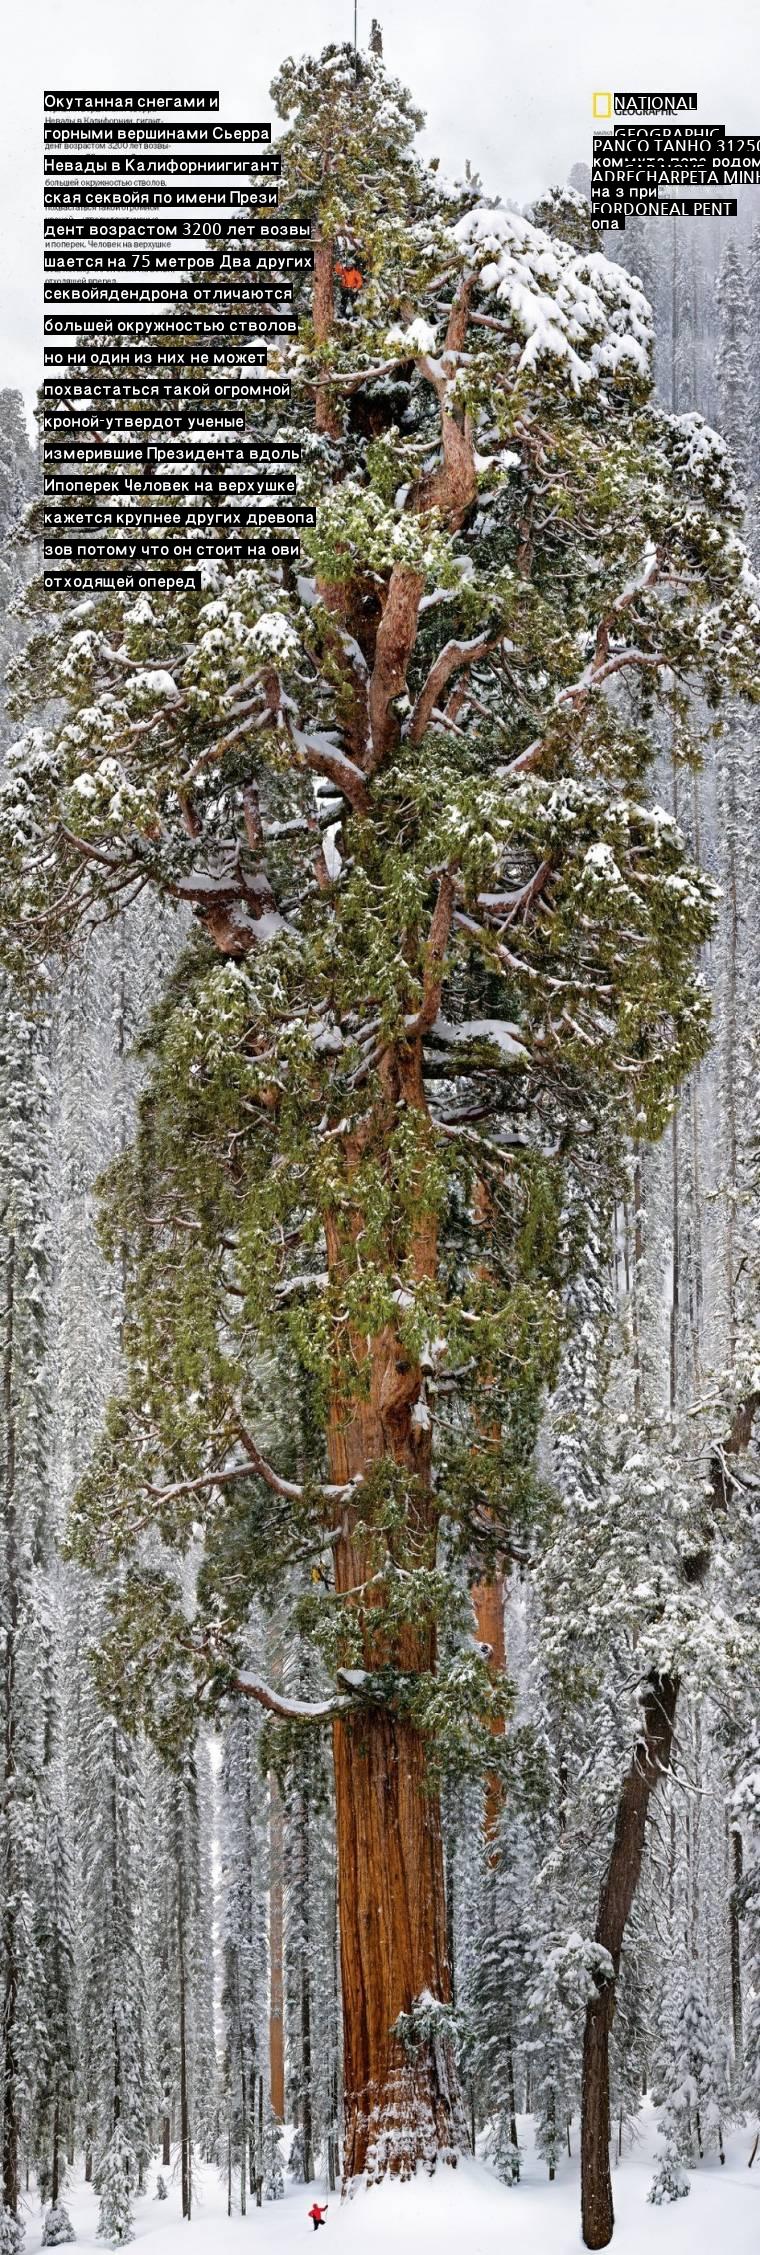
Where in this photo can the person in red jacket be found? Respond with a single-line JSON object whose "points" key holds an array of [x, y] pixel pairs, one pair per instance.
{"points": [[318, 2214], [350, 281]]}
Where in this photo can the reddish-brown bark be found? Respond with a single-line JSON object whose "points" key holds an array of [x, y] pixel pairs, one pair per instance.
{"points": [[326, 416], [399, 2109], [396, 636]]}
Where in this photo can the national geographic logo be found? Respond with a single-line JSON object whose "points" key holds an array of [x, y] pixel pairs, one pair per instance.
{"points": [[651, 165], [606, 105]]}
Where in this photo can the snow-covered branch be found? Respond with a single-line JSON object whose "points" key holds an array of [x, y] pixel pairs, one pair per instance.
{"points": [[451, 659], [292, 1490], [292, 1710]]}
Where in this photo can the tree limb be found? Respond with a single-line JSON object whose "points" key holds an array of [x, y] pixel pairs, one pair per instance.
{"points": [[292, 1710], [396, 636], [450, 659], [435, 951], [292, 1490]]}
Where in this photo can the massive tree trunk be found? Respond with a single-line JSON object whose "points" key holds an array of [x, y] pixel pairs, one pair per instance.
{"points": [[651, 1759], [398, 2109], [401, 2106]]}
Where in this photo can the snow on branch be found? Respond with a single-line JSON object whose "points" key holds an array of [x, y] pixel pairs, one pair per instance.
{"points": [[451, 659], [571, 307], [292, 1490], [499, 1031], [324, 757], [292, 1710]]}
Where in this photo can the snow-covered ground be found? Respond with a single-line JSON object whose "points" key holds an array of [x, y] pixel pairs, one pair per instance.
{"points": [[459, 2212]]}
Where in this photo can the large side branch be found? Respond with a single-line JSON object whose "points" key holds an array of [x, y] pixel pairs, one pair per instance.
{"points": [[451, 659], [453, 487], [435, 955], [292, 1490], [396, 636], [292, 1710]]}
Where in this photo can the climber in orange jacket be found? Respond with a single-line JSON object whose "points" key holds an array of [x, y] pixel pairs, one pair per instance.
{"points": [[350, 281]]}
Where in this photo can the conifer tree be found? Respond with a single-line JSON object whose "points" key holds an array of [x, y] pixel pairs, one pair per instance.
{"points": [[17, 466], [691, 2085], [274, 2181], [57, 2230], [443, 937], [732, 366], [117, 2177], [244, 1877], [114, 2085], [36, 2045]]}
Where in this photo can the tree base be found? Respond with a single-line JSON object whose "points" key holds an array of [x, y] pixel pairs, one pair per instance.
{"points": [[415, 2122]]}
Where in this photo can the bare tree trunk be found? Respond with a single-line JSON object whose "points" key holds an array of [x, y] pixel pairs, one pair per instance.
{"points": [[737, 1869], [166, 2149], [399, 2109], [276, 2039], [55, 2174], [183, 2081], [695, 1815], [243, 2135], [511, 2094], [651, 1759], [675, 1280]]}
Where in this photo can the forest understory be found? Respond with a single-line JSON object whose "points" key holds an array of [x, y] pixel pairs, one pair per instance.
{"points": [[444, 2212]]}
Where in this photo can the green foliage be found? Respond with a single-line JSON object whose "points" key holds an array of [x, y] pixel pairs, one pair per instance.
{"points": [[347, 1181]]}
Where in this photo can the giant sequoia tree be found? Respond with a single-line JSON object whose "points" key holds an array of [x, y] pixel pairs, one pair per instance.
{"points": [[443, 940]]}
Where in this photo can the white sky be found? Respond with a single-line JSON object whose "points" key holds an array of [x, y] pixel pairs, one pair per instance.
{"points": [[507, 83]]}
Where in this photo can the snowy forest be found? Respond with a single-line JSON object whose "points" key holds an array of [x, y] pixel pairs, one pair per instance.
{"points": [[379, 1268]]}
